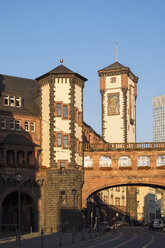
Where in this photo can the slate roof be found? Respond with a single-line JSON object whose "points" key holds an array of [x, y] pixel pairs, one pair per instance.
{"points": [[91, 130], [17, 139], [114, 66], [61, 69], [27, 89]]}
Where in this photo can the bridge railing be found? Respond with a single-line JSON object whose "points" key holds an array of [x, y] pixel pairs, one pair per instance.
{"points": [[125, 146]]}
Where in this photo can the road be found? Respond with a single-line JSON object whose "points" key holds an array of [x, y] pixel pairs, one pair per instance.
{"points": [[129, 237]]}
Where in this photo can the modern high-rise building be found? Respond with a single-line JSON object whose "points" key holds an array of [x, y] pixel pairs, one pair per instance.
{"points": [[158, 104]]}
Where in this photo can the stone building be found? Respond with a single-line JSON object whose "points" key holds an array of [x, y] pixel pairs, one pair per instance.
{"points": [[41, 139], [41, 124]]}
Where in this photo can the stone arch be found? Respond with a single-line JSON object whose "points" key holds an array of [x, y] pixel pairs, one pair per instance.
{"points": [[134, 182], [9, 209]]}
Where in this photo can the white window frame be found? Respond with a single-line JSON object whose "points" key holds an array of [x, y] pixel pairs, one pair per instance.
{"points": [[105, 162], [124, 161], [12, 121], [6, 98], [160, 161], [143, 161], [32, 126], [88, 162], [18, 122], [12, 98], [3, 121], [26, 126], [18, 100]]}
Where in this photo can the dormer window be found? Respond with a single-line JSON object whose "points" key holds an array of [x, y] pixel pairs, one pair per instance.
{"points": [[13, 101], [6, 100], [18, 101]]}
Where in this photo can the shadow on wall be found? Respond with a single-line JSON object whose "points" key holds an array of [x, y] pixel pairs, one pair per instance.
{"points": [[98, 211], [19, 153]]}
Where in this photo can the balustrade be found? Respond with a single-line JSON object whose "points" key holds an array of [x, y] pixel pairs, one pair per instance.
{"points": [[125, 146]]}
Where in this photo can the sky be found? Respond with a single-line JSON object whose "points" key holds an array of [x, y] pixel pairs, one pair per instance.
{"points": [[36, 34]]}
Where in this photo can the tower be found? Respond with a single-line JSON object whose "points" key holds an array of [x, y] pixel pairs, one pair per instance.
{"points": [[62, 146], [118, 88], [158, 104]]}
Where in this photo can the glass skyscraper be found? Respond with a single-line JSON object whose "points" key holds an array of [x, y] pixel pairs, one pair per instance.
{"points": [[158, 104]]}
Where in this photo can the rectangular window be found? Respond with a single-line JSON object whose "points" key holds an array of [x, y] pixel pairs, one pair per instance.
{"points": [[32, 126], [65, 111], [12, 101], [62, 165], [58, 109], [6, 101], [62, 197], [12, 124], [59, 139], [18, 125], [26, 125], [65, 141], [18, 102], [2, 123], [113, 80]]}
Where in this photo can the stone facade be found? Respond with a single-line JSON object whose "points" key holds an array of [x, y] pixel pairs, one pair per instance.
{"points": [[43, 135], [118, 96]]}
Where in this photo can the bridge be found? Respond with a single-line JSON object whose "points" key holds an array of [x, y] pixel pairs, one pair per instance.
{"points": [[110, 165]]}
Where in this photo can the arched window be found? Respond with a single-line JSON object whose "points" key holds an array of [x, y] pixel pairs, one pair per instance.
{"points": [[124, 161], [105, 162], [143, 161], [88, 162], [160, 161]]}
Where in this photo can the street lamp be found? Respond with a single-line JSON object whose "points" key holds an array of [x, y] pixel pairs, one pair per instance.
{"points": [[19, 177], [74, 191]]}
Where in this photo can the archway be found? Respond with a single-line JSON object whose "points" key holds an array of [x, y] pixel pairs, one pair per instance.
{"points": [[10, 211]]}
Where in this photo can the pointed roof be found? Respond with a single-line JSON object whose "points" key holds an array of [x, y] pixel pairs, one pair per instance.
{"points": [[27, 89], [17, 139], [61, 69], [117, 69], [114, 66]]}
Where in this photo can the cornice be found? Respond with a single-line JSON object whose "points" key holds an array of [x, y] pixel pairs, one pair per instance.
{"points": [[119, 72]]}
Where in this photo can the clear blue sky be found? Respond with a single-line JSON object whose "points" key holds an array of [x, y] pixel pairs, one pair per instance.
{"points": [[36, 34]]}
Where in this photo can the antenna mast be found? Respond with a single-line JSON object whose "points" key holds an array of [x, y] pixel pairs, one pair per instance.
{"points": [[116, 51]]}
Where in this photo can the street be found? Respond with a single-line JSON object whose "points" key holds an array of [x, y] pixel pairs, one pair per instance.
{"points": [[129, 237]]}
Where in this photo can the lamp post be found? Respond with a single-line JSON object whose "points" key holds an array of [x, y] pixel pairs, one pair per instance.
{"points": [[74, 191], [19, 177]]}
